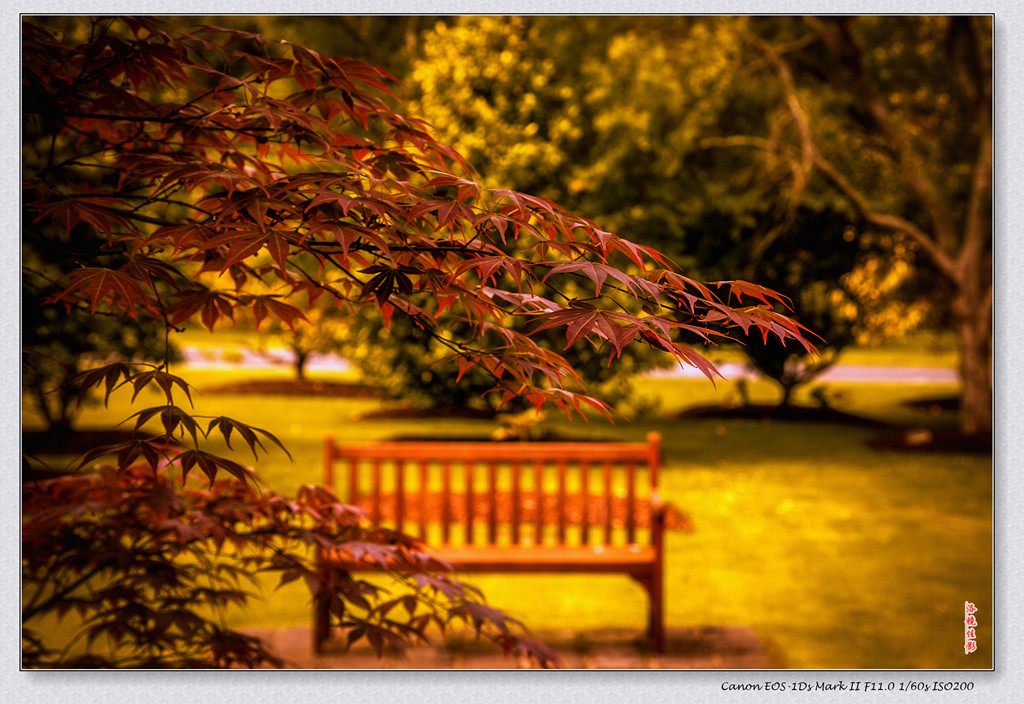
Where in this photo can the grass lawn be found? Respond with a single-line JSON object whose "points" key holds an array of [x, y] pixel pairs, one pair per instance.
{"points": [[838, 556]]}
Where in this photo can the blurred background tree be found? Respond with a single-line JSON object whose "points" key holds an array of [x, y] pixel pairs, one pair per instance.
{"points": [[694, 134], [893, 116], [618, 120], [326, 330], [386, 41], [489, 87]]}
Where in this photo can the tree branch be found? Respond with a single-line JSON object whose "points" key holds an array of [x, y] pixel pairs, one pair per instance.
{"points": [[909, 160], [857, 199], [937, 246], [892, 222]]}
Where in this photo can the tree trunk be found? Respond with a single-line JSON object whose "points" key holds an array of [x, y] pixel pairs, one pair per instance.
{"points": [[788, 386], [301, 358], [57, 407], [974, 331], [44, 406]]}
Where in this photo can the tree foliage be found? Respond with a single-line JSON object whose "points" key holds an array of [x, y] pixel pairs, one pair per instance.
{"points": [[60, 343], [234, 176], [893, 115], [146, 564], [611, 117], [529, 102], [703, 135]]}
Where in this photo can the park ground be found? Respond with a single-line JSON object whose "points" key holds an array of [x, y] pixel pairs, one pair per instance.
{"points": [[831, 552]]}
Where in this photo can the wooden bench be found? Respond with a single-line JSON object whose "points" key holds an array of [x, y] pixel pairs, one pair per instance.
{"points": [[543, 507]]}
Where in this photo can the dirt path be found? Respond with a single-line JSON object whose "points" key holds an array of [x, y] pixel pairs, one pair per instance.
{"points": [[239, 358]]}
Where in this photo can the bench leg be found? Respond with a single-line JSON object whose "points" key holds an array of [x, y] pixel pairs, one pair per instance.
{"points": [[657, 625], [655, 619]]}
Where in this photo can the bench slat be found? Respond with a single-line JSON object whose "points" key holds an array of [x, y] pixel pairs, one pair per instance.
{"points": [[424, 490], [630, 501], [538, 502], [585, 493], [492, 502], [377, 491], [561, 503], [516, 504], [470, 503], [606, 470], [353, 481], [446, 502], [400, 495], [329, 462]]}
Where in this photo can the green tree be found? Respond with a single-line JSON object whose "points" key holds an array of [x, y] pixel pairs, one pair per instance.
{"points": [[894, 116], [611, 118], [602, 114], [194, 154], [506, 92]]}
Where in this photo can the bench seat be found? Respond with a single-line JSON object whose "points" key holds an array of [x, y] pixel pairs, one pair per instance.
{"points": [[500, 507], [614, 559]]}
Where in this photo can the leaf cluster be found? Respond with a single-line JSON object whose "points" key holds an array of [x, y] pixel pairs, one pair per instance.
{"points": [[282, 156], [140, 570]]}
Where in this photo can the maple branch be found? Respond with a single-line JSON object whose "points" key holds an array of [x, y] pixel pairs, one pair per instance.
{"points": [[342, 268], [140, 217], [429, 326], [251, 131], [145, 200], [326, 246], [424, 323], [168, 328], [181, 121], [324, 286], [201, 96], [37, 607], [75, 160], [163, 196]]}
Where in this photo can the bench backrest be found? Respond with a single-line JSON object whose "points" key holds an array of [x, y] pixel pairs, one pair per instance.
{"points": [[503, 493]]}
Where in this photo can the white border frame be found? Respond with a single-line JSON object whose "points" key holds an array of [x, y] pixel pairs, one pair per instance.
{"points": [[573, 687]]}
